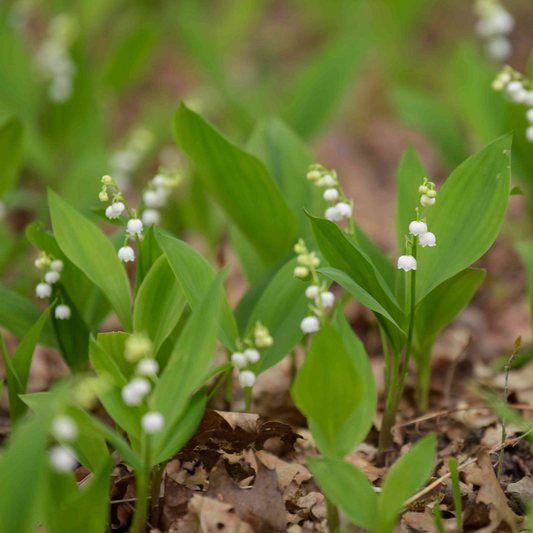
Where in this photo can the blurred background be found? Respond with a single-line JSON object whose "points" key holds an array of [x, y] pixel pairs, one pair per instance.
{"points": [[91, 86]]}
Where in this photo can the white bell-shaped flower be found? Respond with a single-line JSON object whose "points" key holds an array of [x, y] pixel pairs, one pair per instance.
{"points": [[252, 356], [109, 213], [328, 299], [344, 209], [152, 423], [64, 428], [160, 180], [57, 265], [239, 360], [135, 226], [500, 48], [126, 254], [417, 228], [247, 378], [332, 214], [407, 262], [43, 290], [331, 194], [153, 199], [151, 216], [514, 87], [426, 201], [62, 312], [428, 239], [52, 277], [63, 460], [329, 180], [118, 208], [147, 367], [312, 292], [310, 324]]}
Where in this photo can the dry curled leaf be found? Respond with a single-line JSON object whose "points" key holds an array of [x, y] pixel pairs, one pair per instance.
{"points": [[262, 505], [215, 516]]}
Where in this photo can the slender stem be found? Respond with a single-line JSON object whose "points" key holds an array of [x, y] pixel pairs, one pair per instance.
{"points": [[142, 478], [334, 521], [452, 463], [294, 366], [386, 358], [248, 399], [229, 385], [156, 490], [220, 383], [439, 523]]}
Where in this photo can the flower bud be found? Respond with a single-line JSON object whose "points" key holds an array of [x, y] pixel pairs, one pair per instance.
{"points": [[56, 265], [239, 360], [102, 196], [331, 195], [300, 247], [62, 312], [423, 189], [63, 460], [301, 272], [251, 355], [312, 291], [43, 290], [328, 299], [432, 193], [426, 201], [303, 259], [407, 262], [51, 277], [315, 262], [151, 216], [118, 208], [344, 209], [107, 180], [329, 180], [247, 378], [147, 367], [126, 254], [313, 175], [310, 324], [428, 239], [417, 228], [152, 423], [64, 428]]}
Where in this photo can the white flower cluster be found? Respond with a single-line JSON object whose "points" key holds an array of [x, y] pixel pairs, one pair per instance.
{"points": [[138, 350], [63, 458], [43, 289], [495, 23], [249, 355], [418, 228], [117, 207], [518, 89], [156, 195], [53, 58], [341, 208], [126, 161], [323, 299]]}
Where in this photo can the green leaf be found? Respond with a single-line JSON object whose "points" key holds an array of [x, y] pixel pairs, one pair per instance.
{"points": [[92, 252], [72, 334], [189, 360], [328, 389], [195, 276], [18, 314], [356, 428], [346, 256], [283, 292], [287, 158], [104, 364], [183, 430], [158, 304], [409, 176], [18, 367], [517, 191], [467, 216], [347, 487], [240, 183], [150, 252], [10, 154], [317, 90], [114, 344], [406, 476], [450, 298]]}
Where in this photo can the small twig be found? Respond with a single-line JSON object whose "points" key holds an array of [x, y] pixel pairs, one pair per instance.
{"points": [[127, 500], [507, 369]]}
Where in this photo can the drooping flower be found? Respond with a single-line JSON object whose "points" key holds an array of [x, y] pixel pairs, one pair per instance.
{"points": [[63, 460], [417, 228], [135, 226], [310, 324], [247, 378], [239, 360], [126, 254], [43, 290], [51, 277], [152, 422], [427, 239], [56, 265], [312, 292], [327, 298], [251, 355], [147, 367], [62, 312], [407, 262], [64, 428], [331, 194]]}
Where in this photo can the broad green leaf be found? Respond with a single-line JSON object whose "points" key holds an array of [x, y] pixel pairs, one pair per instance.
{"points": [[240, 183], [18, 314], [158, 304], [328, 389], [317, 90], [346, 486], [189, 360], [467, 216], [431, 115], [406, 476], [18, 367], [356, 428], [450, 298], [72, 334], [114, 344], [287, 158], [344, 255], [131, 57], [92, 252], [409, 176], [195, 276], [10, 153], [104, 364], [252, 264], [183, 430], [287, 293]]}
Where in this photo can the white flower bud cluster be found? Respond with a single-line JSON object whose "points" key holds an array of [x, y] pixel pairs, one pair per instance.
{"points": [[250, 355], [62, 458], [156, 195], [495, 23], [126, 161], [341, 208], [53, 275], [418, 228], [518, 89], [54, 60], [323, 299]]}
